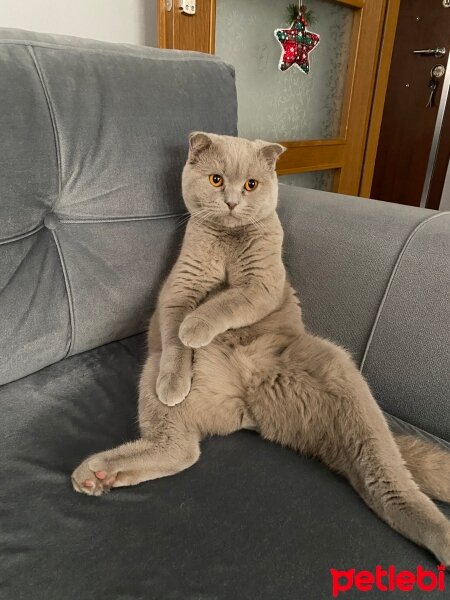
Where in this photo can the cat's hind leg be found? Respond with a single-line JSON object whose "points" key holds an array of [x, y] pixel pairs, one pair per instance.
{"points": [[377, 471], [166, 445], [315, 401], [366, 453]]}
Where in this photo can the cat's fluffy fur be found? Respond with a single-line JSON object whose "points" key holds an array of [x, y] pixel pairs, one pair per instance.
{"points": [[254, 365]]}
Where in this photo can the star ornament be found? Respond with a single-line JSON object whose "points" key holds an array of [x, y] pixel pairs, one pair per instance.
{"points": [[297, 42]]}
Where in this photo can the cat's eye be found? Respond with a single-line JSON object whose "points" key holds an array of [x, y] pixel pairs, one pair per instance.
{"points": [[216, 180], [250, 185]]}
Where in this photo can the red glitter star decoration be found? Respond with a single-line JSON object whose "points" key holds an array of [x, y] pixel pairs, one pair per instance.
{"points": [[297, 42]]}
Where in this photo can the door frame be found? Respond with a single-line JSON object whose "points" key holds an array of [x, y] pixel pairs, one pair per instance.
{"points": [[379, 98], [351, 154]]}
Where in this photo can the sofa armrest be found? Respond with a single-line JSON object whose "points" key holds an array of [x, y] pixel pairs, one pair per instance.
{"points": [[374, 277]]}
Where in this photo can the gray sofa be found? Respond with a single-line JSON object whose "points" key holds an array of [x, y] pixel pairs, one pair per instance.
{"points": [[93, 137]]}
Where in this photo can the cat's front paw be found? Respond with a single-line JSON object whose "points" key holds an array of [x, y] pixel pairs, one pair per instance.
{"points": [[172, 388], [195, 332]]}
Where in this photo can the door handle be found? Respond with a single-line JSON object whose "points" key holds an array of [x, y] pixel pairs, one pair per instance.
{"points": [[438, 52]]}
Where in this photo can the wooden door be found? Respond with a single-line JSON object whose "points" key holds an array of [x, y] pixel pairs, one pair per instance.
{"points": [[343, 153], [404, 170]]}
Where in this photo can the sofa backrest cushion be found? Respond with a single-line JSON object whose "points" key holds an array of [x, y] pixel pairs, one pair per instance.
{"points": [[93, 140]]}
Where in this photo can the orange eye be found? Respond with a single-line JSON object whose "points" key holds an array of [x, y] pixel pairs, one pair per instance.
{"points": [[250, 185], [216, 180]]}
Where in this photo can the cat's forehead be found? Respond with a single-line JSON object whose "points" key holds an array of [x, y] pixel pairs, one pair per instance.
{"points": [[237, 157]]}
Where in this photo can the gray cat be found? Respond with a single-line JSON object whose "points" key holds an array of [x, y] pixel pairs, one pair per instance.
{"points": [[228, 350]]}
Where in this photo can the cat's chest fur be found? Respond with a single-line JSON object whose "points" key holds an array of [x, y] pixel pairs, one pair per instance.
{"points": [[237, 255], [240, 255]]}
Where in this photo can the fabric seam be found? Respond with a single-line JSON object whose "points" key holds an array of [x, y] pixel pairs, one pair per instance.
{"points": [[69, 294], [180, 54], [22, 236], [390, 282], [121, 219], [52, 118], [419, 430], [26, 234]]}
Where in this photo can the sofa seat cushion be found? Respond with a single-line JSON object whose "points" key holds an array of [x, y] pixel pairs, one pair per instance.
{"points": [[249, 520]]}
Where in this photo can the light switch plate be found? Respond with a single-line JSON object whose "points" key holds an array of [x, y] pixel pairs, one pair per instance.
{"points": [[188, 6]]}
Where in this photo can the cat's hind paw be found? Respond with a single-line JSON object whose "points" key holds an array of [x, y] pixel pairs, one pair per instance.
{"points": [[93, 478]]}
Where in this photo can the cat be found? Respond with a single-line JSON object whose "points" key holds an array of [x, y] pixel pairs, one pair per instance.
{"points": [[229, 351]]}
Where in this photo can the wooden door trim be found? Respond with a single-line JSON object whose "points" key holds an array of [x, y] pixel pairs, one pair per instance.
{"points": [[212, 30], [366, 42], [352, 3], [311, 155], [165, 25], [384, 65], [322, 142]]}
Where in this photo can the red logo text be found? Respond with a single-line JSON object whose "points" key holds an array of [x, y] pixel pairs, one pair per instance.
{"points": [[387, 580]]}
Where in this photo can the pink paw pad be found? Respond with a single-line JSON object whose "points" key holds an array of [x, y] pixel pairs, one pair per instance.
{"points": [[100, 474], [88, 483]]}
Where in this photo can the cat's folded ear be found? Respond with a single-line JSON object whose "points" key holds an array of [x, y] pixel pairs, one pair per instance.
{"points": [[271, 152], [198, 143]]}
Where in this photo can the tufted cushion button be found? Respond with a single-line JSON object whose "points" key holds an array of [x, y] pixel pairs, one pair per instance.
{"points": [[51, 221]]}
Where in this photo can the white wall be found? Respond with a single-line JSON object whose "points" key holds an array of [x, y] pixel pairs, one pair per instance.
{"points": [[127, 21]]}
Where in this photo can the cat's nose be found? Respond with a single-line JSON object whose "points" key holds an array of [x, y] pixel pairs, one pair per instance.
{"points": [[231, 204]]}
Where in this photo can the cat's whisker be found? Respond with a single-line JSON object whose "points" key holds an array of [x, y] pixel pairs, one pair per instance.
{"points": [[262, 225], [198, 213], [206, 215], [183, 219], [257, 224], [202, 215]]}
